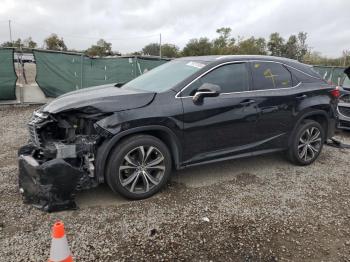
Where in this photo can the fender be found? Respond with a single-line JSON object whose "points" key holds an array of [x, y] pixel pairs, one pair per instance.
{"points": [[302, 116], [105, 148]]}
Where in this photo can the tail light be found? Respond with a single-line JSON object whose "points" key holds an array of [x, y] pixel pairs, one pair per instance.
{"points": [[335, 92]]}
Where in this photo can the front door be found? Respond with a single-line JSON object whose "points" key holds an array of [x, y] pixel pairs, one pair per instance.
{"points": [[219, 126]]}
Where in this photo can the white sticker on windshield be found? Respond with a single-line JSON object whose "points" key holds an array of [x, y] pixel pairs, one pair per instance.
{"points": [[195, 64]]}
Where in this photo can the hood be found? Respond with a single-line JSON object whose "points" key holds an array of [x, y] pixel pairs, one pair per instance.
{"points": [[104, 99]]}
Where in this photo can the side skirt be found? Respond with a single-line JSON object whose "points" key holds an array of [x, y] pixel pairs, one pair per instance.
{"points": [[255, 153]]}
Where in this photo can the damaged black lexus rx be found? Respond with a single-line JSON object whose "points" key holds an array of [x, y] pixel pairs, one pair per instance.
{"points": [[186, 112]]}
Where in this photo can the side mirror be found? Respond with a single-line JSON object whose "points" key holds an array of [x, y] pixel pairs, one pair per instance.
{"points": [[206, 90]]}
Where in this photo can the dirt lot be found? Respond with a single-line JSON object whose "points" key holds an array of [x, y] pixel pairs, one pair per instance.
{"points": [[257, 209]]}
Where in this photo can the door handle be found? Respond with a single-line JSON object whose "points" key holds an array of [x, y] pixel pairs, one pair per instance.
{"points": [[247, 102], [302, 96]]}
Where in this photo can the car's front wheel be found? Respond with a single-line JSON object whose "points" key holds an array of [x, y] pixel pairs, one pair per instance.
{"points": [[307, 143], [139, 167]]}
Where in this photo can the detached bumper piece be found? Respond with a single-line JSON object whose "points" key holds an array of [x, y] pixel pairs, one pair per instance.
{"points": [[50, 186]]}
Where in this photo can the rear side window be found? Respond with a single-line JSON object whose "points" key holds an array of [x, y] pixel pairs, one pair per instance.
{"points": [[231, 78], [304, 78], [269, 75]]}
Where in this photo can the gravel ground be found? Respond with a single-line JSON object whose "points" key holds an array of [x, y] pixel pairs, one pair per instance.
{"points": [[256, 209]]}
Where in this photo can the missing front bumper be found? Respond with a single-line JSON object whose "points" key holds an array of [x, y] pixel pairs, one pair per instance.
{"points": [[50, 186]]}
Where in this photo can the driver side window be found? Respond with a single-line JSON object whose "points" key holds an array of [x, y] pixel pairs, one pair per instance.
{"points": [[231, 78]]}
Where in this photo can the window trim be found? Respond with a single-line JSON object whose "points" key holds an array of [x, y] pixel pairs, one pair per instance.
{"points": [[238, 92], [246, 65], [280, 88]]}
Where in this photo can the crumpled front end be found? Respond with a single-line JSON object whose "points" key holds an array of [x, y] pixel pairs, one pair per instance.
{"points": [[59, 159]]}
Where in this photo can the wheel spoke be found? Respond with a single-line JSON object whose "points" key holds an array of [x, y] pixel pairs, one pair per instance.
{"points": [[149, 151], [127, 167], [150, 178], [142, 155], [145, 181], [308, 134], [155, 162], [128, 159], [132, 188], [315, 136], [301, 145], [313, 148], [303, 152], [312, 152], [156, 167], [131, 178], [318, 139]]}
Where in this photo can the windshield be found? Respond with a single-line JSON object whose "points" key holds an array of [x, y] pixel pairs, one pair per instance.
{"points": [[166, 76]]}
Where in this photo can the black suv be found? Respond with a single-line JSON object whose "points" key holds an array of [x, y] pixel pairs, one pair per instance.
{"points": [[189, 111]]}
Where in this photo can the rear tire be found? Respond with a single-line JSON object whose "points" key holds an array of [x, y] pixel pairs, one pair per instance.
{"points": [[138, 167], [307, 143]]}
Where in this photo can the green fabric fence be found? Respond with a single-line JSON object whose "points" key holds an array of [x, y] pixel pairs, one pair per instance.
{"points": [[8, 77], [59, 73]]}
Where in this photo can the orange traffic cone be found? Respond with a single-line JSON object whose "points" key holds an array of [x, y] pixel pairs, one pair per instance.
{"points": [[59, 246]]}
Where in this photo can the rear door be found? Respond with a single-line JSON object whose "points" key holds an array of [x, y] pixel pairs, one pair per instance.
{"points": [[222, 125], [275, 102]]}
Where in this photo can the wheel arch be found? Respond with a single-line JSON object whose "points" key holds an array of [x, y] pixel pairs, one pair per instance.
{"points": [[165, 134], [317, 115]]}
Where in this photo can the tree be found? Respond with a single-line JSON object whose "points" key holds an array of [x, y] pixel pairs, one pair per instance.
{"points": [[16, 44], [151, 49], [197, 47], [6, 44], [275, 44], [291, 48], [53, 42], [170, 50], [102, 48], [303, 48], [224, 44], [29, 43], [252, 46]]}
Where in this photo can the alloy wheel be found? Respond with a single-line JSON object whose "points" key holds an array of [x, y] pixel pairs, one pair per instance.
{"points": [[309, 144], [142, 169]]}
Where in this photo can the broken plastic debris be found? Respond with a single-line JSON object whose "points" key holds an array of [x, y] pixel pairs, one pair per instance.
{"points": [[205, 219]]}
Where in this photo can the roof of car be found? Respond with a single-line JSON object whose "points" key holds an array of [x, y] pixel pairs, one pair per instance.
{"points": [[226, 58], [211, 58]]}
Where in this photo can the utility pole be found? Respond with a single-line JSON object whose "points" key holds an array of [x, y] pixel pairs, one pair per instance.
{"points": [[10, 32], [160, 46]]}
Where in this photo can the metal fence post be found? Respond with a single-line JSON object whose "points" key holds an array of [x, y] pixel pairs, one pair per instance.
{"points": [[81, 70]]}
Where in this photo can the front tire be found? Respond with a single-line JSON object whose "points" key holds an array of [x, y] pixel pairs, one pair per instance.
{"points": [[307, 143], [139, 167]]}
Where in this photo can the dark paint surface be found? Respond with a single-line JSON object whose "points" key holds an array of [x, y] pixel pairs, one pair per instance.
{"points": [[106, 98], [219, 128], [225, 126]]}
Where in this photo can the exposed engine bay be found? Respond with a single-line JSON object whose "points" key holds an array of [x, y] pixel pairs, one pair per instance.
{"points": [[59, 159]]}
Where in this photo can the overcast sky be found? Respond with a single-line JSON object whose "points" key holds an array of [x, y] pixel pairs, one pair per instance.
{"points": [[131, 24]]}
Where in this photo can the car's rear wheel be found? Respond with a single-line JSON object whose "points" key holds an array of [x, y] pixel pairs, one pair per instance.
{"points": [[307, 143], [139, 167]]}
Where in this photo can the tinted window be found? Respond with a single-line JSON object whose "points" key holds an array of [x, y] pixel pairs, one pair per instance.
{"points": [[270, 76], [231, 78], [301, 77]]}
